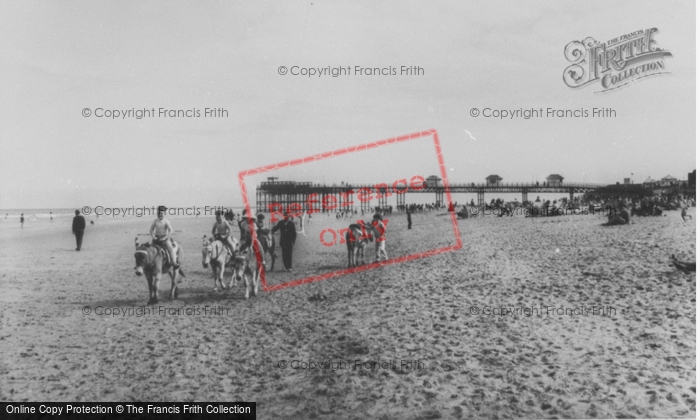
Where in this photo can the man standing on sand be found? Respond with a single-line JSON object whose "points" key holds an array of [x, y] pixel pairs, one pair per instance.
{"points": [[161, 229], [78, 229], [288, 235], [21, 220], [380, 240], [408, 215]]}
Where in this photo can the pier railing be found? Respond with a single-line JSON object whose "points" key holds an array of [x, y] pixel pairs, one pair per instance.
{"points": [[305, 186]]}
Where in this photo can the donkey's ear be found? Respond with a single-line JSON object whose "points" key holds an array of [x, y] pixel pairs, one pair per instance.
{"points": [[136, 242]]}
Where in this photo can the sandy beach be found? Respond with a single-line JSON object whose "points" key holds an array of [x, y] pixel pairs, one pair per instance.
{"points": [[532, 318]]}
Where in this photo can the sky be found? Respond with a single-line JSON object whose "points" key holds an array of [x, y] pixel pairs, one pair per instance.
{"points": [[59, 58]]}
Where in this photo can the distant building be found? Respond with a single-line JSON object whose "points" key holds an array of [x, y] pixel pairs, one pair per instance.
{"points": [[667, 181], [433, 181], [493, 181], [627, 181], [649, 183], [555, 180], [691, 180]]}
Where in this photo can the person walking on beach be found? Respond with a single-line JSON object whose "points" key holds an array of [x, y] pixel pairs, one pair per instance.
{"points": [[21, 220], [161, 230], [78, 229], [408, 215], [288, 235], [51, 214], [380, 240]]}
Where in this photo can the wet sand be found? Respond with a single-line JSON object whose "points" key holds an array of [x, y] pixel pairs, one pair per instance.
{"points": [[429, 325]]}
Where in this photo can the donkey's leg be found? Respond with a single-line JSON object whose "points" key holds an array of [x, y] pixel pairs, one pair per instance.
{"points": [[234, 280], [173, 284], [216, 277], [247, 285], [272, 254], [257, 285], [156, 284], [256, 279], [149, 280], [220, 278], [233, 277]]}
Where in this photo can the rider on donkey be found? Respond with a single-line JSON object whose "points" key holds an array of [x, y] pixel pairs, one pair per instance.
{"points": [[222, 232], [244, 226], [161, 230]]}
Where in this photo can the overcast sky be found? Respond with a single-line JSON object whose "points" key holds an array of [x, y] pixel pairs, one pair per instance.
{"points": [[57, 58]]}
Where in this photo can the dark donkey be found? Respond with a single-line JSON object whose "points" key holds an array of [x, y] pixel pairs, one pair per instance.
{"points": [[267, 240], [150, 260], [357, 236]]}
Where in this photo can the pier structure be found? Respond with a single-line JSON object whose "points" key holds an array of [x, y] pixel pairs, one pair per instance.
{"points": [[274, 195]]}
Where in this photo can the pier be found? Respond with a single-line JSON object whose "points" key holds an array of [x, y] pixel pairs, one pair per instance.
{"points": [[350, 196]]}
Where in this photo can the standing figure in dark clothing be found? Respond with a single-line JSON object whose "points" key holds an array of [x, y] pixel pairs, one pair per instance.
{"points": [[288, 235], [408, 215], [21, 220], [78, 229]]}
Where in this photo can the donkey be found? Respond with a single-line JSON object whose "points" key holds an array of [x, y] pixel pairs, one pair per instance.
{"points": [[214, 252], [245, 266], [153, 262], [356, 239], [267, 240]]}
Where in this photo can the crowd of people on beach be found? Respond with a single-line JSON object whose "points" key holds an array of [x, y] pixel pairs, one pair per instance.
{"points": [[420, 208], [625, 207], [619, 208]]}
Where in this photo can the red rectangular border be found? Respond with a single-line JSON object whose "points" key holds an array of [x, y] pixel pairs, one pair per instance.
{"points": [[339, 152]]}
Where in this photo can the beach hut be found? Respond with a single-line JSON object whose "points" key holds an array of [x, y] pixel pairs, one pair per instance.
{"points": [[493, 181], [555, 180]]}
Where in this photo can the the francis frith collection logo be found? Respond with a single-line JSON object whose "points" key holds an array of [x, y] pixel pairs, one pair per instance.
{"points": [[614, 63]]}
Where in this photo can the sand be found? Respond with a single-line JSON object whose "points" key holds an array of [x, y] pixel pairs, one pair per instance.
{"points": [[434, 315]]}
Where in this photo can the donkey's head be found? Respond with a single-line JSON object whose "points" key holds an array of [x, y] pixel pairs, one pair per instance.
{"points": [[141, 256], [206, 251]]}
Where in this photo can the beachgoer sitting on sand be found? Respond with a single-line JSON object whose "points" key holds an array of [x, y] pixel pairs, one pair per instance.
{"points": [[620, 217], [625, 214]]}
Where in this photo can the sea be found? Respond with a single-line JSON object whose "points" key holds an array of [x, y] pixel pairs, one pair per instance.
{"points": [[60, 214]]}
